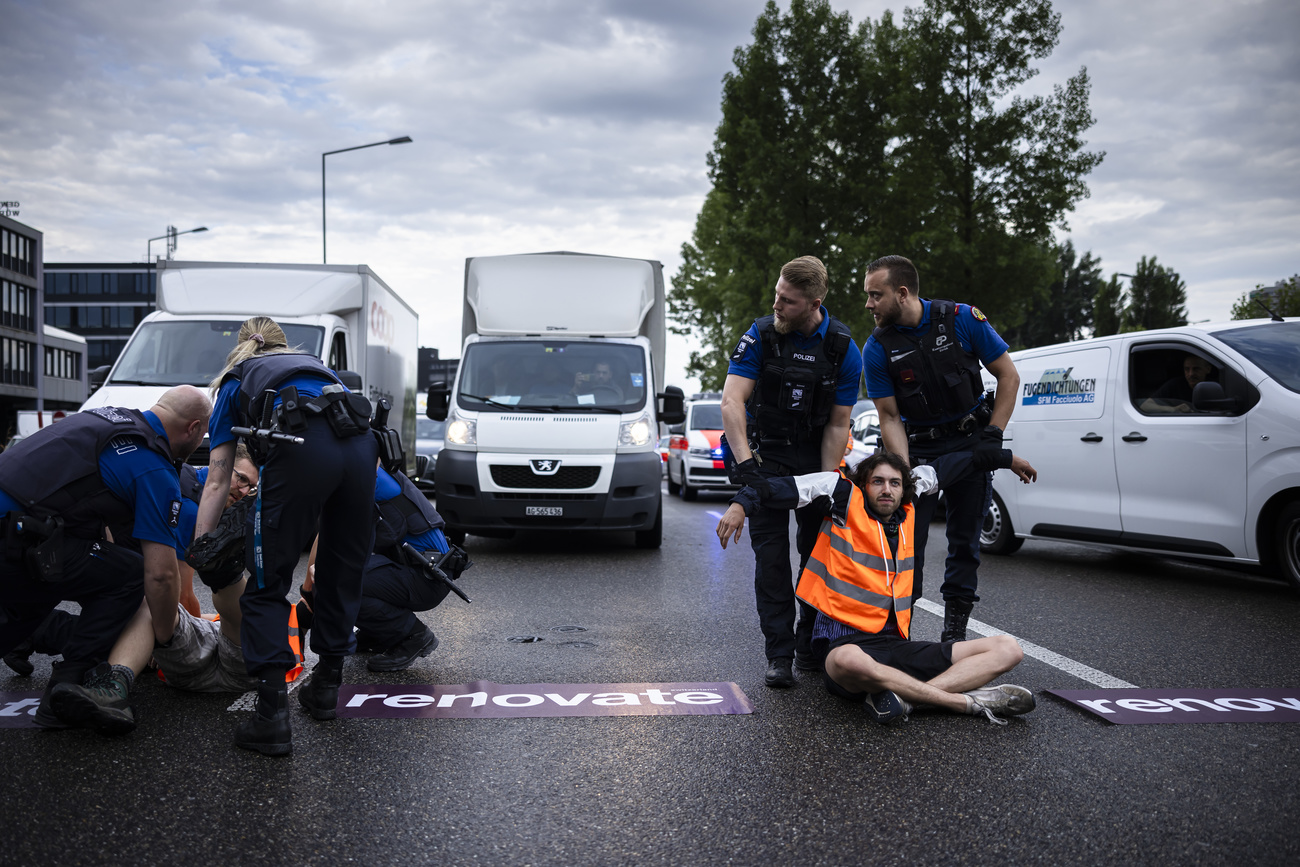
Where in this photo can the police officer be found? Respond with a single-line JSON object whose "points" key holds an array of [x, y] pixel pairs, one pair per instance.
{"points": [[330, 479], [791, 385], [394, 588], [59, 489], [923, 373]]}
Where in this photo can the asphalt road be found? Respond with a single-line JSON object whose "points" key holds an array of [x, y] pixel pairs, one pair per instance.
{"points": [[804, 779]]}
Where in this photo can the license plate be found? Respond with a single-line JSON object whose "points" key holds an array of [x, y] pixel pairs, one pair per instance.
{"points": [[545, 511]]}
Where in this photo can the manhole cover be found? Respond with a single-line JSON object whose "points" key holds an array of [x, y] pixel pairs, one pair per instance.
{"points": [[577, 644], [568, 629], [524, 639]]}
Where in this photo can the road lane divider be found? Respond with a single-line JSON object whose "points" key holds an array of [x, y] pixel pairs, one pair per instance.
{"points": [[1042, 654]]}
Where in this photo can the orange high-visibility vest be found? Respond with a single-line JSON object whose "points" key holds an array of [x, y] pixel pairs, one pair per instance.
{"points": [[295, 644], [851, 575]]}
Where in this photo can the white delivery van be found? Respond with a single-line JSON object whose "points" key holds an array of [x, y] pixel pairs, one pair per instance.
{"points": [[343, 314], [1133, 452], [553, 420]]}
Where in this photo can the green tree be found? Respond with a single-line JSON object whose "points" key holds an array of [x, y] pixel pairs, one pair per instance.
{"points": [[1108, 308], [1283, 298], [1063, 311], [1157, 298]]}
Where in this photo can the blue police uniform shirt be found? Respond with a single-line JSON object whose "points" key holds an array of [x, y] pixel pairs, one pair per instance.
{"points": [[387, 487], [975, 335], [750, 364], [225, 411], [144, 480]]}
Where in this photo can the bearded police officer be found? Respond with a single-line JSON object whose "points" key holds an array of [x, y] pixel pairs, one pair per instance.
{"points": [[791, 385], [923, 373], [59, 489]]}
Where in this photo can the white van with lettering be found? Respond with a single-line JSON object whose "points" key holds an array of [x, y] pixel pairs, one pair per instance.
{"points": [[1182, 441]]}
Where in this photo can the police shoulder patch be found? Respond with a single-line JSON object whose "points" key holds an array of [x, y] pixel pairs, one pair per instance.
{"points": [[975, 311], [746, 340], [174, 513]]}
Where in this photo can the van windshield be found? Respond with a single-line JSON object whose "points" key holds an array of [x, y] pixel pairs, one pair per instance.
{"points": [[1274, 348], [706, 416], [581, 375], [192, 353]]}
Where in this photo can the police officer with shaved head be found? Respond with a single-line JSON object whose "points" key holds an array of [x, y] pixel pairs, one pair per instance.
{"points": [[59, 489]]}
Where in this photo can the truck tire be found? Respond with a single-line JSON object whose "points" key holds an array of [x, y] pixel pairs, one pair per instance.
{"points": [[673, 488], [996, 534], [689, 494], [1287, 544], [654, 537]]}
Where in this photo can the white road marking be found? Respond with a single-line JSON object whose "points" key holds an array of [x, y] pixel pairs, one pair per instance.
{"points": [[1042, 654]]}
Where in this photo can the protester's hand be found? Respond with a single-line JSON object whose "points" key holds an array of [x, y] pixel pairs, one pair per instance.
{"points": [[731, 525], [1023, 469]]}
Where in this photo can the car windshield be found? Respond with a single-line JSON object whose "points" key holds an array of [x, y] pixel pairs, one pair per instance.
{"points": [[193, 352], [706, 416], [1274, 348], [568, 375]]}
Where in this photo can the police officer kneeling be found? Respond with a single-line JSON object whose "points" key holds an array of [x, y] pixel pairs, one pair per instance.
{"points": [[59, 489]]}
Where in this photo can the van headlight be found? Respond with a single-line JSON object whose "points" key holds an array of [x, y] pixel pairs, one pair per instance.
{"points": [[462, 431], [634, 433]]}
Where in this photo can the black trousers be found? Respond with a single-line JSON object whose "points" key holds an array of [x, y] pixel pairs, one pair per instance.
{"points": [[326, 483], [106, 580], [391, 593], [967, 502]]}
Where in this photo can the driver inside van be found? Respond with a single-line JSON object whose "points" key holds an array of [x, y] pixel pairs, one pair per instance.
{"points": [[1176, 394], [599, 382]]}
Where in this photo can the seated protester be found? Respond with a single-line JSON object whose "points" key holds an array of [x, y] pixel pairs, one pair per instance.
{"points": [[202, 655], [859, 578], [52, 636], [392, 589], [1176, 394]]}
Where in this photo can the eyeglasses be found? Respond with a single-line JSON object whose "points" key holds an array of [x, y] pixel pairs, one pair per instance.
{"points": [[243, 481]]}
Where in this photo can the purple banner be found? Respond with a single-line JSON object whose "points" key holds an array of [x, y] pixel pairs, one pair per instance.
{"points": [[18, 708], [1156, 706], [484, 699]]}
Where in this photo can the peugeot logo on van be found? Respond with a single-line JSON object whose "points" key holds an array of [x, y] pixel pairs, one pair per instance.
{"points": [[545, 468]]}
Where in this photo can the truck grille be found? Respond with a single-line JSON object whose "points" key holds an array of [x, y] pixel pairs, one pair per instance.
{"points": [[524, 477]]}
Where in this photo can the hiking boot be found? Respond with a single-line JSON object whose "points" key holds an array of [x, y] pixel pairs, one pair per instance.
{"points": [[102, 703], [268, 731], [955, 614], [17, 659], [320, 696], [779, 675], [1006, 699], [400, 656], [886, 707]]}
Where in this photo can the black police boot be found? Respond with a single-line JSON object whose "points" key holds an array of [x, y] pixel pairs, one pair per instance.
{"points": [[102, 703], [400, 656], [320, 697], [267, 730], [17, 659], [60, 673], [779, 675], [955, 614]]}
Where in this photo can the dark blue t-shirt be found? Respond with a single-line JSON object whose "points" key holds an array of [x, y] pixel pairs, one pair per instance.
{"points": [[387, 487], [750, 364], [144, 480], [974, 333], [225, 410]]}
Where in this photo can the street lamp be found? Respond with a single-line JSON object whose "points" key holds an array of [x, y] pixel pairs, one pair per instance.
{"points": [[171, 241], [406, 139]]}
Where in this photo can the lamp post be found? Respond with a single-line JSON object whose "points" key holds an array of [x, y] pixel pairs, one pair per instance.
{"points": [[171, 241], [406, 139]]}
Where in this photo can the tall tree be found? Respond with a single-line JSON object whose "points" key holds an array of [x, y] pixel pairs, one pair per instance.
{"points": [[1064, 310], [1108, 308], [1283, 298], [1157, 298]]}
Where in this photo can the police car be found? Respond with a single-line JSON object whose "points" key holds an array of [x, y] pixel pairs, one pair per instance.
{"points": [[695, 450]]}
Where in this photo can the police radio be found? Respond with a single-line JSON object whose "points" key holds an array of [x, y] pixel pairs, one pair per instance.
{"points": [[391, 456]]}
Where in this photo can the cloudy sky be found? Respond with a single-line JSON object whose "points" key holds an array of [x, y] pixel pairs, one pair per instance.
{"points": [[574, 124]]}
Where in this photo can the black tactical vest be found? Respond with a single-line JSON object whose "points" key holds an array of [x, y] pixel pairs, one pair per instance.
{"points": [[191, 487], [408, 514], [262, 372], [56, 470], [935, 378], [792, 399]]}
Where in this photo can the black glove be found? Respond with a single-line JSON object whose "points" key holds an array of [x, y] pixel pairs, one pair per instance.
{"points": [[987, 455], [746, 473], [218, 555]]}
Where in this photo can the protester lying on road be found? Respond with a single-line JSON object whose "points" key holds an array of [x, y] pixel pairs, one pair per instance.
{"points": [[859, 578]]}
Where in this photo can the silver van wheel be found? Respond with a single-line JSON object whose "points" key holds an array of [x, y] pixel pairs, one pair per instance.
{"points": [[1288, 544], [996, 535]]}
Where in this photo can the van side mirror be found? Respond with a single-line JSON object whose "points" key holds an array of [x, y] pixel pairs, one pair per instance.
{"points": [[96, 376], [677, 430], [351, 379], [1208, 397], [439, 400], [672, 406]]}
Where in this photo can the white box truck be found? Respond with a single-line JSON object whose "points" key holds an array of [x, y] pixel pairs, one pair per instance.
{"points": [[1182, 441], [553, 420], [343, 314]]}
